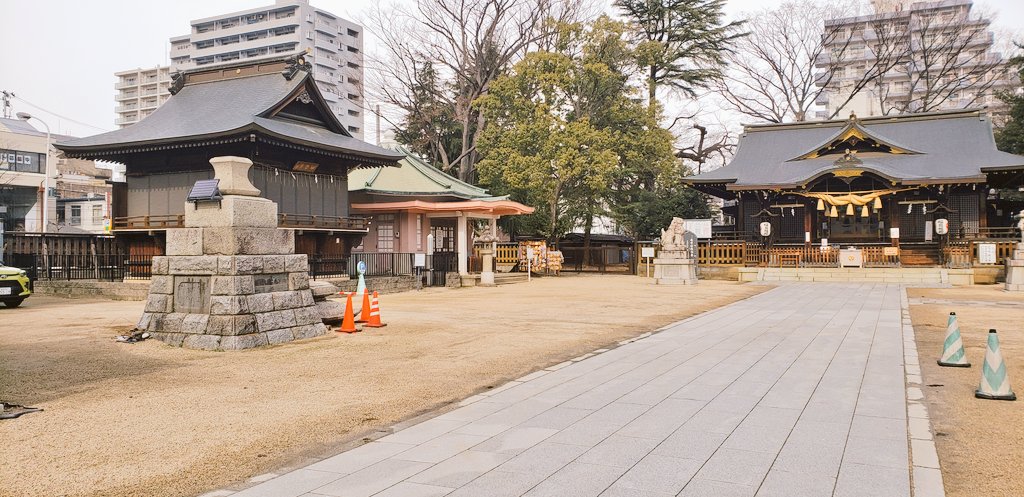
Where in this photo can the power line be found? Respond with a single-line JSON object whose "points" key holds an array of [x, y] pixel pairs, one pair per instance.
{"points": [[54, 114]]}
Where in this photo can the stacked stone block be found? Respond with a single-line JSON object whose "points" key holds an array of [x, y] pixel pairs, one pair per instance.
{"points": [[230, 279], [1015, 270]]}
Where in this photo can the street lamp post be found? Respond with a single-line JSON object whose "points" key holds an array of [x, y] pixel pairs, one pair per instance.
{"points": [[25, 116]]}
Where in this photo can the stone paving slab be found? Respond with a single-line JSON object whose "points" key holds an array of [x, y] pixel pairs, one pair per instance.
{"points": [[797, 391]]}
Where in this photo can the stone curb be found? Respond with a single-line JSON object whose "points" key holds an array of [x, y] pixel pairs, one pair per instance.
{"points": [[926, 475]]}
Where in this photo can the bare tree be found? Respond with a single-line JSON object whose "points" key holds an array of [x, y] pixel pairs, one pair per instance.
{"points": [[800, 51], [947, 62], [704, 146], [467, 45]]}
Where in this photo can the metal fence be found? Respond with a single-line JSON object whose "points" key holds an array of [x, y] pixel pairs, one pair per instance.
{"points": [[435, 271]]}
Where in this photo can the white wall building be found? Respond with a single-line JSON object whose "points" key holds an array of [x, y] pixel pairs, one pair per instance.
{"points": [[139, 93], [23, 172], [912, 29], [335, 46]]}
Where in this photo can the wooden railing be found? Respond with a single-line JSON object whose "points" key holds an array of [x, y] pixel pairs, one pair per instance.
{"points": [[149, 222], [876, 257], [722, 253], [300, 221], [965, 253], [297, 221]]}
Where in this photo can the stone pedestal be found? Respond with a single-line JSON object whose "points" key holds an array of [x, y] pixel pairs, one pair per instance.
{"points": [[230, 279], [675, 267], [1015, 270], [486, 273]]}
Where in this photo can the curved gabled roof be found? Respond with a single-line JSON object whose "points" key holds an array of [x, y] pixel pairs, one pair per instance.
{"points": [[413, 177], [955, 146], [209, 110]]}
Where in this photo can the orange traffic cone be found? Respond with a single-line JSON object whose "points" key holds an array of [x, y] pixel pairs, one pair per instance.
{"points": [[364, 315], [374, 321], [348, 324]]}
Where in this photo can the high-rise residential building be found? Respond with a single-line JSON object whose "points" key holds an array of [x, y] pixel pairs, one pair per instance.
{"points": [[139, 93], [918, 57], [335, 47]]}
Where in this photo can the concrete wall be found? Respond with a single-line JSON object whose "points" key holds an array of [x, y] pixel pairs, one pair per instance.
{"points": [[81, 289]]}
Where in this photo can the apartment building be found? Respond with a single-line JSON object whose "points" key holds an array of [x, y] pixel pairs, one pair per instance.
{"points": [[922, 57], [139, 93], [335, 47]]}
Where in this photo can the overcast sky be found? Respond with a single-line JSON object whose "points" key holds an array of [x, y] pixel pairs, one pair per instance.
{"points": [[61, 55]]}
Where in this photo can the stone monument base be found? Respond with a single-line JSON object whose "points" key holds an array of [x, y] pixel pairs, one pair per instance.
{"points": [[675, 267], [1015, 270], [230, 302]]}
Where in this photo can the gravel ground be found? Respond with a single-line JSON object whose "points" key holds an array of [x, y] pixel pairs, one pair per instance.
{"points": [[980, 442], [148, 419]]}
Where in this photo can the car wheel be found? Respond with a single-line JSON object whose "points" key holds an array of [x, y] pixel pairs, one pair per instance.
{"points": [[14, 303]]}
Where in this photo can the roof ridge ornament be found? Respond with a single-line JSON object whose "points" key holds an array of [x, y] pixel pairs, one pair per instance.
{"points": [[853, 118], [177, 82], [296, 63]]}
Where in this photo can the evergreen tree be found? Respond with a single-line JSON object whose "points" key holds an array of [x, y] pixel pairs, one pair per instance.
{"points": [[679, 43]]}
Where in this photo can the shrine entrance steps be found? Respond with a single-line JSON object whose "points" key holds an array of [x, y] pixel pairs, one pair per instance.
{"points": [[903, 275]]}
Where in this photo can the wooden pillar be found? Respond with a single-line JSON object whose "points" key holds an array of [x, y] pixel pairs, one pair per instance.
{"points": [[462, 243], [982, 207], [809, 210], [894, 216]]}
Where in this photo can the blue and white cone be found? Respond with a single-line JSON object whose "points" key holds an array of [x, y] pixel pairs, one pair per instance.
{"points": [[994, 383], [953, 354]]}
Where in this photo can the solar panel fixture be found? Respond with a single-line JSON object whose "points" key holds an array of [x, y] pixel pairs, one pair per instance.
{"points": [[205, 190]]}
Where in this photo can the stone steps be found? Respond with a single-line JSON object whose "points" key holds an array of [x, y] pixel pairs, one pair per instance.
{"points": [[914, 275]]}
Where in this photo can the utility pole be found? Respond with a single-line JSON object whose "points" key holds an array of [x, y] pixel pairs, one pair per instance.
{"points": [[7, 96], [378, 124]]}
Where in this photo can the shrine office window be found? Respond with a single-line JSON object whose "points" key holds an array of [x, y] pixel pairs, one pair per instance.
{"points": [[385, 232]]}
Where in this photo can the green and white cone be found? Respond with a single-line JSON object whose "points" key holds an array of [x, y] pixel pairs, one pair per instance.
{"points": [[953, 347], [994, 383]]}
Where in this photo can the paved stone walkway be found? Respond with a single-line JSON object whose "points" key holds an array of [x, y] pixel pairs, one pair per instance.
{"points": [[797, 391]]}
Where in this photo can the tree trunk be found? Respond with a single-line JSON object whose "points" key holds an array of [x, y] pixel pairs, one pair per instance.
{"points": [[586, 238]]}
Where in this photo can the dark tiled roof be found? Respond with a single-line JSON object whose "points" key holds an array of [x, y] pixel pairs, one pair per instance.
{"points": [[207, 110], [956, 145]]}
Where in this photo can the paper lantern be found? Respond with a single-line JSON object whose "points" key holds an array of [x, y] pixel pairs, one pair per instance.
{"points": [[821, 204]]}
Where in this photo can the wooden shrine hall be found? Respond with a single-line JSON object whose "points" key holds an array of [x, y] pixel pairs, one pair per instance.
{"points": [[269, 111], [905, 190]]}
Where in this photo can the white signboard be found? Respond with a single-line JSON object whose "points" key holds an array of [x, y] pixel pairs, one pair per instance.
{"points": [[700, 227], [419, 260], [894, 233], [941, 226], [927, 232], [824, 243], [851, 258], [986, 253], [766, 229], [647, 252]]}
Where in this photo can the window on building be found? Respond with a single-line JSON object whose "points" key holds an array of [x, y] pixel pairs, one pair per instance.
{"points": [[353, 113], [353, 97], [76, 215], [353, 65], [352, 49], [353, 129], [353, 81], [353, 33], [385, 232], [97, 214]]}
